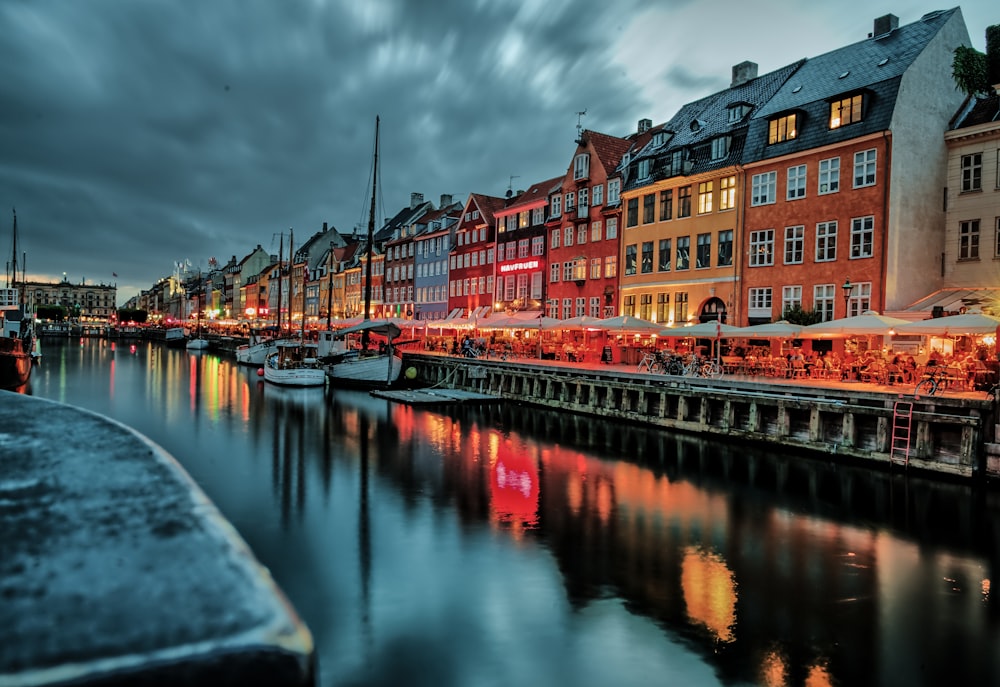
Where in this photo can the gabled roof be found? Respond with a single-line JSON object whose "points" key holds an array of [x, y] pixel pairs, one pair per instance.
{"points": [[488, 206], [537, 191], [408, 215], [874, 66], [609, 149]]}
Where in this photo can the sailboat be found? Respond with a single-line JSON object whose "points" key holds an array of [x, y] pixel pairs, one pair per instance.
{"points": [[198, 343], [18, 331], [348, 366], [262, 341], [294, 362]]}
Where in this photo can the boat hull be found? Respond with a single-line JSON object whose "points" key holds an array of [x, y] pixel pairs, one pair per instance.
{"points": [[15, 364], [371, 371], [296, 376], [254, 354], [197, 344]]}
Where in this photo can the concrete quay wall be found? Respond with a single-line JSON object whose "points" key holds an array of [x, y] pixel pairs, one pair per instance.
{"points": [[116, 569], [948, 435]]}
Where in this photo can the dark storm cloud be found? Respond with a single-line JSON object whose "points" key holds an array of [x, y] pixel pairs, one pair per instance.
{"points": [[136, 134]]}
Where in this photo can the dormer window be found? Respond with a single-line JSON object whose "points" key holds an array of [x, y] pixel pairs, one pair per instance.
{"points": [[644, 169], [658, 139], [676, 158], [697, 125], [783, 128], [581, 167], [845, 111], [720, 147], [737, 111]]}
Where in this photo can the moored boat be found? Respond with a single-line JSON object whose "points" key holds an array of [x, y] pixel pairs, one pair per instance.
{"points": [[294, 363], [17, 342], [349, 366]]}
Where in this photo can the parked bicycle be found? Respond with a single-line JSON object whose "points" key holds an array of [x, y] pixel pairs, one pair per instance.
{"points": [[932, 381], [703, 367]]}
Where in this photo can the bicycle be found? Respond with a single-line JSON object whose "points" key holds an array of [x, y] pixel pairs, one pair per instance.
{"points": [[930, 382], [652, 362]]}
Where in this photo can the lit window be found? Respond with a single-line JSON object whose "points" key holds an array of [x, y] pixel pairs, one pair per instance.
{"points": [[845, 111], [781, 129]]}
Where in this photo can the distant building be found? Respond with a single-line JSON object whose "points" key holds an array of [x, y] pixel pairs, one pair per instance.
{"points": [[88, 301]]}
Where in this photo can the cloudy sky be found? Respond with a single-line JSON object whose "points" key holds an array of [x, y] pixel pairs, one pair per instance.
{"points": [[138, 133]]}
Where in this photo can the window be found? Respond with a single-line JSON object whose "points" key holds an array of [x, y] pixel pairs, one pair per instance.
{"points": [[683, 252], [595, 231], [666, 205], [705, 194], [684, 202], [630, 255], [845, 111], [581, 202], [597, 195], [538, 216], [781, 129], [968, 240], [523, 248], [610, 266], [556, 238], [648, 208], [720, 147], [727, 193], [680, 307], [791, 298], [662, 307], [972, 172], [763, 188], [647, 257], [864, 168], [736, 113], [760, 299], [581, 167], [567, 308], [860, 299], [579, 269], [522, 219], [595, 306], [556, 205], [537, 247], [703, 256], [823, 299], [996, 240], [570, 201], [646, 306], [511, 251], [509, 285], [862, 237], [643, 169], [796, 183], [595, 268], [628, 305], [614, 188], [795, 238], [829, 175], [568, 236], [725, 248], [611, 228], [581, 234], [581, 307], [632, 218], [826, 241], [568, 271], [663, 259], [761, 247]]}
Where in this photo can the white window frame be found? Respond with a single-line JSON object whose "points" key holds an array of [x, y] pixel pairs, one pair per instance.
{"points": [[795, 183], [823, 300], [826, 241], [763, 188], [829, 176], [865, 166], [795, 245], [791, 297], [762, 248], [862, 237]]}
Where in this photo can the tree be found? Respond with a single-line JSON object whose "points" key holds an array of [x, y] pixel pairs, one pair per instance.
{"points": [[802, 317], [129, 315], [976, 73]]}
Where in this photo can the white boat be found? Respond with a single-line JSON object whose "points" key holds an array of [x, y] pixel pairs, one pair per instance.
{"points": [[294, 363], [175, 337], [256, 350], [349, 366], [197, 344]]}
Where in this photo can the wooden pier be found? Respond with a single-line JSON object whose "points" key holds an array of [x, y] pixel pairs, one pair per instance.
{"points": [[945, 434]]}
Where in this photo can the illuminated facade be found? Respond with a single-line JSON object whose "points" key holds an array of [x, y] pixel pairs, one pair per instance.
{"points": [[87, 301], [471, 266]]}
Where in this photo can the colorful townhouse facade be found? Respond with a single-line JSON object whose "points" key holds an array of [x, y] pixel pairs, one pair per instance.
{"points": [[432, 248], [521, 261], [583, 231], [845, 167], [472, 264]]}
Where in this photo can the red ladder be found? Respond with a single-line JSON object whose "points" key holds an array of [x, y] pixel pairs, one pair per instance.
{"points": [[902, 418]]}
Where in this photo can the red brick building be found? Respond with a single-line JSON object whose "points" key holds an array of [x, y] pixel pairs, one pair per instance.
{"points": [[472, 264]]}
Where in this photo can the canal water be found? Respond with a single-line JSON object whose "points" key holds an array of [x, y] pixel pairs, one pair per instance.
{"points": [[495, 545]]}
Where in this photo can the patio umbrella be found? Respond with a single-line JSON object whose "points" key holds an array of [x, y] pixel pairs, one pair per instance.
{"points": [[969, 324], [704, 330], [868, 323], [782, 329], [581, 322], [628, 323]]}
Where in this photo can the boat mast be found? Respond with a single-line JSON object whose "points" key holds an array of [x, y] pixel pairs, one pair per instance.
{"points": [[281, 260], [371, 230]]}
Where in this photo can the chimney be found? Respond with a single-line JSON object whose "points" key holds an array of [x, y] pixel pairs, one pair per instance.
{"points": [[325, 227], [645, 125], [445, 200], [416, 199], [885, 24], [743, 72]]}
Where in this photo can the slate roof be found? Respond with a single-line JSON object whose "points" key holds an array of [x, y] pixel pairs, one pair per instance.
{"points": [[873, 67], [979, 110], [698, 123]]}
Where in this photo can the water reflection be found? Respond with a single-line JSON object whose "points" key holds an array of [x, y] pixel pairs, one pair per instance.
{"points": [[508, 545]]}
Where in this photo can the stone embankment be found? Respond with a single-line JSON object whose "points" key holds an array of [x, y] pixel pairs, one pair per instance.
{"points": [[116, 569]]}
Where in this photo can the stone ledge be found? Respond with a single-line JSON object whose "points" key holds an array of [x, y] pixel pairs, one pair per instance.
{"points": [[117, 569]]}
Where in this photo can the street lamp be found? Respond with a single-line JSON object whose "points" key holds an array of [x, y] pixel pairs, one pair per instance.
{"points": [[848, 287]]}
